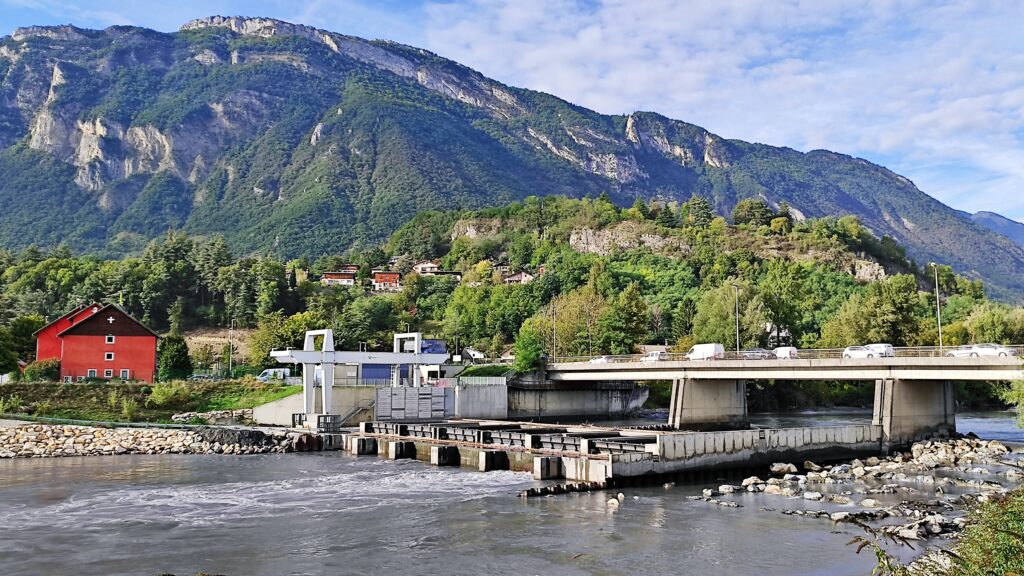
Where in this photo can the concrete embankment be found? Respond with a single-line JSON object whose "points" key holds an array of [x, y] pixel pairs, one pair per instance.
{"points": [[48, 440]]}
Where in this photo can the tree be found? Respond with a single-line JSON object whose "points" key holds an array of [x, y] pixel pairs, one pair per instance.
{"points": [[172, 359], [641, 208], [884, 312], [8, 356], [22, 330], [699, 212], [529, 348], [624, 324], [666, 217], [752, 211], [715, 321], [682, 318], [782, 291]]}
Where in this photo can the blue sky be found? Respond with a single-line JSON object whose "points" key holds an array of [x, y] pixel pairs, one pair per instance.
{"points": [[931, 89]]}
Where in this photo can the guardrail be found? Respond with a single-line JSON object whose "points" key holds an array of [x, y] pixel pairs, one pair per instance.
{"points": [[952, 352]]}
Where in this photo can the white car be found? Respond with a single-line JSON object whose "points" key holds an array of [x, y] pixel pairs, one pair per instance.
{"points": [[978, 350], [882, 350], [859, 352], [600, 360]]}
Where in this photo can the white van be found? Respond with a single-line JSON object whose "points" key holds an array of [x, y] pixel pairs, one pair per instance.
{"points": [[706, 352], [274, 374], [787, 353], [882, 350]]}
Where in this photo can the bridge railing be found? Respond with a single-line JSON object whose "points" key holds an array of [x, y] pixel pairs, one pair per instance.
{"points": [[952, 352]]}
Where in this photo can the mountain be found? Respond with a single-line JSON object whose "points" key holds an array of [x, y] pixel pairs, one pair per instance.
{"points": [[293, 140], [1000, 224]]}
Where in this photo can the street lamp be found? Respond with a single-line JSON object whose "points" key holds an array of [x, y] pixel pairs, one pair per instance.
{"points": [[736, 290], [938, 305]]}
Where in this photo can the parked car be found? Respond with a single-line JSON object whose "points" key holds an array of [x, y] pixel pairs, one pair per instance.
{"points": [[600, 360], [757, 354], [706, 352], [978, 350], [882, 350], [655, 356], [787, 353], [858, 352]]}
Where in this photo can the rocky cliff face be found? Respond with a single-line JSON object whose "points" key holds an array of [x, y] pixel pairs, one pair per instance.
{"points": [[288, 138]]}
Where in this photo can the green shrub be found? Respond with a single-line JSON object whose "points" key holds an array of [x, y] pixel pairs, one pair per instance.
{"points": [[169, 393], [146, 390], [113, 399], [42, 408], [10, 403], [45, 370], [129, 408]]}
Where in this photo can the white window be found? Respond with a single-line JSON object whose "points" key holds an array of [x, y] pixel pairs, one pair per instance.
{"points": [[108, 356], [67, 379], [124, 374], [110, 338], [91, 373], [108, 373]]}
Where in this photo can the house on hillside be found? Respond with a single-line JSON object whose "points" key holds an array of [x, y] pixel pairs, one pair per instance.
{"points": [[99, 341], [386, 281], [425, 268], [518, 278], [338, 279]]}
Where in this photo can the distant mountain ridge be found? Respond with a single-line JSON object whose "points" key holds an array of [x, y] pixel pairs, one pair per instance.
{"points": [[999, 224], [294, 140]]}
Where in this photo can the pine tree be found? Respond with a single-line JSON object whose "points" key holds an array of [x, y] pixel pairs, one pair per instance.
{"points": [[666, 217], [640, 206], [699, 212], [172, 359]]}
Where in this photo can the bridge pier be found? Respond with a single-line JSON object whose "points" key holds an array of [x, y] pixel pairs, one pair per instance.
{"points": [[708, 404], [912, 410]]}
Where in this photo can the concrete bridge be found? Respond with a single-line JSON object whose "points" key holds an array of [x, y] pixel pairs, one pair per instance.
{"points": [[913, 394]]}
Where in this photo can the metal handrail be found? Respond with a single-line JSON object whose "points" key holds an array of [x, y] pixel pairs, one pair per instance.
{"points": [[1017, 350]]}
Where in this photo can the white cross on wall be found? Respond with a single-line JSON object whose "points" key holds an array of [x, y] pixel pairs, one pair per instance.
{"points": [[110, 320]]}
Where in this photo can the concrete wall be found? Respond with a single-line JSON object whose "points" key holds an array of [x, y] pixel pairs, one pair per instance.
{"points": [[409, 404], [699, 404], [487, 402], [343, 400], [676, 452], [911, 410], [537, 403]]}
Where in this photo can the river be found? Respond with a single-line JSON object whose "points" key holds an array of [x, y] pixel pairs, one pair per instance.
{"points": [[331, 513]]}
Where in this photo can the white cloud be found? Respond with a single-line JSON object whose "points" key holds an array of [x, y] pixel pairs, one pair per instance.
{"points": [[906, 83]]}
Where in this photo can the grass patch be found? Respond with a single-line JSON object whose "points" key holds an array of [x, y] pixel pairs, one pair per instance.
{"points": [[119, 401], [488, 370]]}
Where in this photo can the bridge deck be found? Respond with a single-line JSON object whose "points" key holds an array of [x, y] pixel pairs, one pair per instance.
{"points": [[868, 369]]}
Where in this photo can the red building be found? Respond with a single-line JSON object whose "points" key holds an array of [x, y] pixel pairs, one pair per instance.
{"points": [[99, 342]]}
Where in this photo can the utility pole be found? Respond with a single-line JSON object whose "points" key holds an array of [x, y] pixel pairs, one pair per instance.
{"points": [[736, 290], [231, 345], [554, 333], [938, 305]]}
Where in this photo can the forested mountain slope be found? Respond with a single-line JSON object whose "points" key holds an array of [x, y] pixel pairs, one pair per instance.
{"points": [[295, 141]]}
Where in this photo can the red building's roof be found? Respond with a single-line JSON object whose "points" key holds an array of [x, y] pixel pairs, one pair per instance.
{"points": [[78, 310], [110, 319]]}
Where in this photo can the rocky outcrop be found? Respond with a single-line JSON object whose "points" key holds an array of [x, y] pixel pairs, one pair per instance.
{"points": [[44, 440], [105, 151], [408, 62], [625, 236]]}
